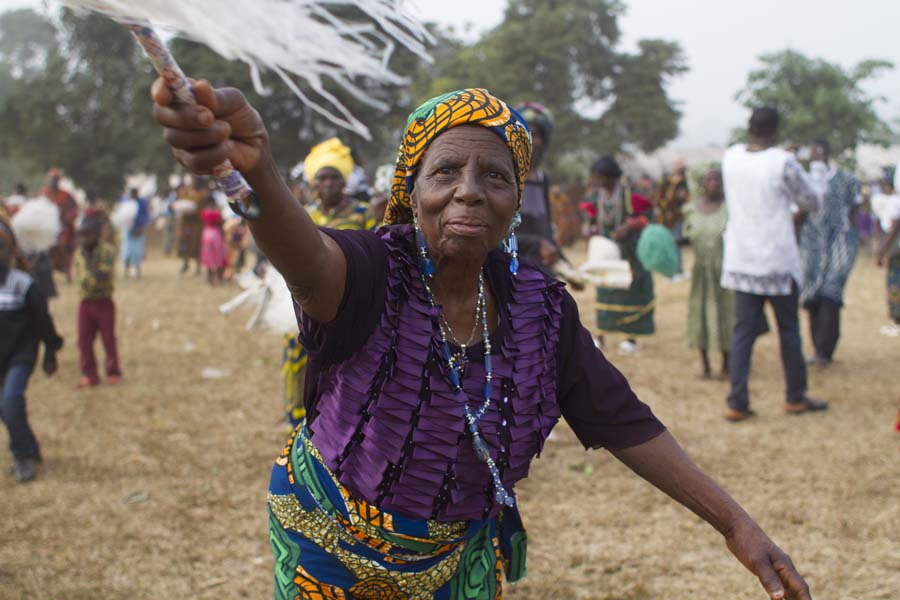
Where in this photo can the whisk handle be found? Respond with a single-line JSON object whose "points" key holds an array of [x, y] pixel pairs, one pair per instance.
{"points": [[241, 197]]}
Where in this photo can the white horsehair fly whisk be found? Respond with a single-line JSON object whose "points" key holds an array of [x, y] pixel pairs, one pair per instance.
{"points": [[296, 39]]}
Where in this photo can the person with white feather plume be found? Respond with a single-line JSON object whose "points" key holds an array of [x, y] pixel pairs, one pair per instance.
{"points": [[38, 226], [397, 487], [394, 486]]}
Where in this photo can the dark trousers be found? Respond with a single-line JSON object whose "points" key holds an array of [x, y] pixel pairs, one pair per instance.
{"points": [[22, 442], [824, 326], [749, 318], [97, 316]]}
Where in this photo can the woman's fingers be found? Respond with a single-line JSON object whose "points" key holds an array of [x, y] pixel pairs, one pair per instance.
{"points": [[204, 93], [796, 586], [187, 139], [183, 116], [202, 135], [159, 92], [769, 578], [202, 160]]}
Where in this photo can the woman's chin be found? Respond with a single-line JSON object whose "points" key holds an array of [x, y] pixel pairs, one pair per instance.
{"points": [[465, 247]]}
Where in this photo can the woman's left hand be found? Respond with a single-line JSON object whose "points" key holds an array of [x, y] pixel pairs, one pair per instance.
{"points": [[768, 562]]}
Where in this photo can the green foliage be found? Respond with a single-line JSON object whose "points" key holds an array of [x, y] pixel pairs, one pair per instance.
{"points": [[816, 98], [564, 54], [85, 109], [74, 91]]}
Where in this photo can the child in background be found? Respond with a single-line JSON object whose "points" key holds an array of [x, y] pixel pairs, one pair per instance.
{"points": [[711, 308], [24, 325], [94, 264], [212, 248]]}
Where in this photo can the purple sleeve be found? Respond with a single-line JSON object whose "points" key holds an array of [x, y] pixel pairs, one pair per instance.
{"points": [[361, 306], [595, 398]]}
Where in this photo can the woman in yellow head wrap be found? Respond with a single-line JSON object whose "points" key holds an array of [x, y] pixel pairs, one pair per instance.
{"points": [[327, 168]]}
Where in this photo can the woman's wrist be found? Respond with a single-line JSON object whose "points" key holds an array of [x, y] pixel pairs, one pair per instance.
{"points": [[262, 174]]}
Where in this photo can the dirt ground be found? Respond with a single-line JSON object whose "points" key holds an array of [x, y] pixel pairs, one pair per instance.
{"points": [[156, 488]]}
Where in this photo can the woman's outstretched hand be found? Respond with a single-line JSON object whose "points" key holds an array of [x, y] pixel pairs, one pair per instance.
{"points": [[221, 125], [767, 561]]}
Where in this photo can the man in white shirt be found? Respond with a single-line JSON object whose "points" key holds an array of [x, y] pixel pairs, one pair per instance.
{"points": [[764, 187]]}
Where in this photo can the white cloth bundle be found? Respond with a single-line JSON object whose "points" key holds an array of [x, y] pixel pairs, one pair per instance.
{"points": [[604, 266], [37, 226], [301, 39], [274, 307], [124, 214]]}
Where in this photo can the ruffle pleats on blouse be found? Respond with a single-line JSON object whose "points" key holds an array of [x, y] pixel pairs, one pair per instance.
{"points": [[389, 424]]}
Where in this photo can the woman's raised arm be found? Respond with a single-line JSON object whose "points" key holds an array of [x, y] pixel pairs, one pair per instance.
{"points": [[224, 125]]}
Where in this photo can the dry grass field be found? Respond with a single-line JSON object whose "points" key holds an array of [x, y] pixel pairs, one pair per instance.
{"points": [[155, 489]]}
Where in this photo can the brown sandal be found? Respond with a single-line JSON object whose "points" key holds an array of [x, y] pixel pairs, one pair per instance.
{"points": [[736, 416], [805, 406]]}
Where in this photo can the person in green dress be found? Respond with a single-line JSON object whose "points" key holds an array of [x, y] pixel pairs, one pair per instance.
{"points": [[711, 307], [621, 215]]}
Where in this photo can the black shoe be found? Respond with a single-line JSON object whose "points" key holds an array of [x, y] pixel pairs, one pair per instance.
{"points": [[23, 469], [818, 361], [805, 405]]}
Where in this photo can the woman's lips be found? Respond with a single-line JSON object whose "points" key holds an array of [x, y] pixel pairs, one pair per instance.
{"points": [[466, 228]]}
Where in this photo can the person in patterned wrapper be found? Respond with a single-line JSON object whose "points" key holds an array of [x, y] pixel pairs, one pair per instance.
{"points": [[438, 365]]}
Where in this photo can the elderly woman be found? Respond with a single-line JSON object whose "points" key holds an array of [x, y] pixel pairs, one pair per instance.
{"points": [[438, 366]]}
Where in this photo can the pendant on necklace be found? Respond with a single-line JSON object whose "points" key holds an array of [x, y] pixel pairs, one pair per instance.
{"points": [[459, 360]]}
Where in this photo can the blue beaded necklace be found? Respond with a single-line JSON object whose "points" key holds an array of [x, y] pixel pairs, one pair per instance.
{"points": [[454, 364]]}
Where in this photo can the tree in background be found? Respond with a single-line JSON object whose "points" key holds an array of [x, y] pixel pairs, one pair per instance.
{"points": [[565, 54], [816, 98], [84, 106], [74, 91]]}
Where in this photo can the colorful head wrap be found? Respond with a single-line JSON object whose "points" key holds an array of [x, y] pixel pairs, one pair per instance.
{"points": [[330, 153], [463, 107]]}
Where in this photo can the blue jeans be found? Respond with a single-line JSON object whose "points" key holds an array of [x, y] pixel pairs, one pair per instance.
{"points": [[749, 322], [22, 442]]}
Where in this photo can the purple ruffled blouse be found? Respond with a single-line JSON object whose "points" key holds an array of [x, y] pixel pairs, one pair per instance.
{"points": [[382, 411]]}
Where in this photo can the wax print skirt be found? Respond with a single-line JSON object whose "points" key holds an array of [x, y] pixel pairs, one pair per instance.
{"points": [[330, 545], [627, 311], [293, 368]]}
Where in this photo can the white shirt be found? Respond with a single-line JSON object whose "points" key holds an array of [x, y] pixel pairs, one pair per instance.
{"points": [[761, 191]]}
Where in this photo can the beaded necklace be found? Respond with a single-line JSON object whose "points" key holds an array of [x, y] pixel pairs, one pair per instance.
{"points": [[426, 268]]}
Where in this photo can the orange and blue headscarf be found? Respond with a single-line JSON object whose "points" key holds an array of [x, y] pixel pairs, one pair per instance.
{"points": [[473, 106]]}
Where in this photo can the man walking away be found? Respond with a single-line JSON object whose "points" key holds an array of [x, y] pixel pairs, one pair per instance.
{"points": [[764, 185]]}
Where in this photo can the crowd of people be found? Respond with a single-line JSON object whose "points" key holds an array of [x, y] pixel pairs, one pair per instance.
{"points": [[436, 353]]}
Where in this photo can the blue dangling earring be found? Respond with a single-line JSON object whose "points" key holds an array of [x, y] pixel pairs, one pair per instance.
{"points": [[426, 265], [512, 244]]}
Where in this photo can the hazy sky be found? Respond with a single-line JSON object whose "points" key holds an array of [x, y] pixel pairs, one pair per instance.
{"points": [[722, 39]]}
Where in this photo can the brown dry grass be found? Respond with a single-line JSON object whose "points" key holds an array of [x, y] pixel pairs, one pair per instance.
{"points": [[156, 488]]}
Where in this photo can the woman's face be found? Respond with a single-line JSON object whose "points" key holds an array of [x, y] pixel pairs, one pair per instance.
{"points": [[601, 180], [712, 184], [465, 193], [329, 186]]}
